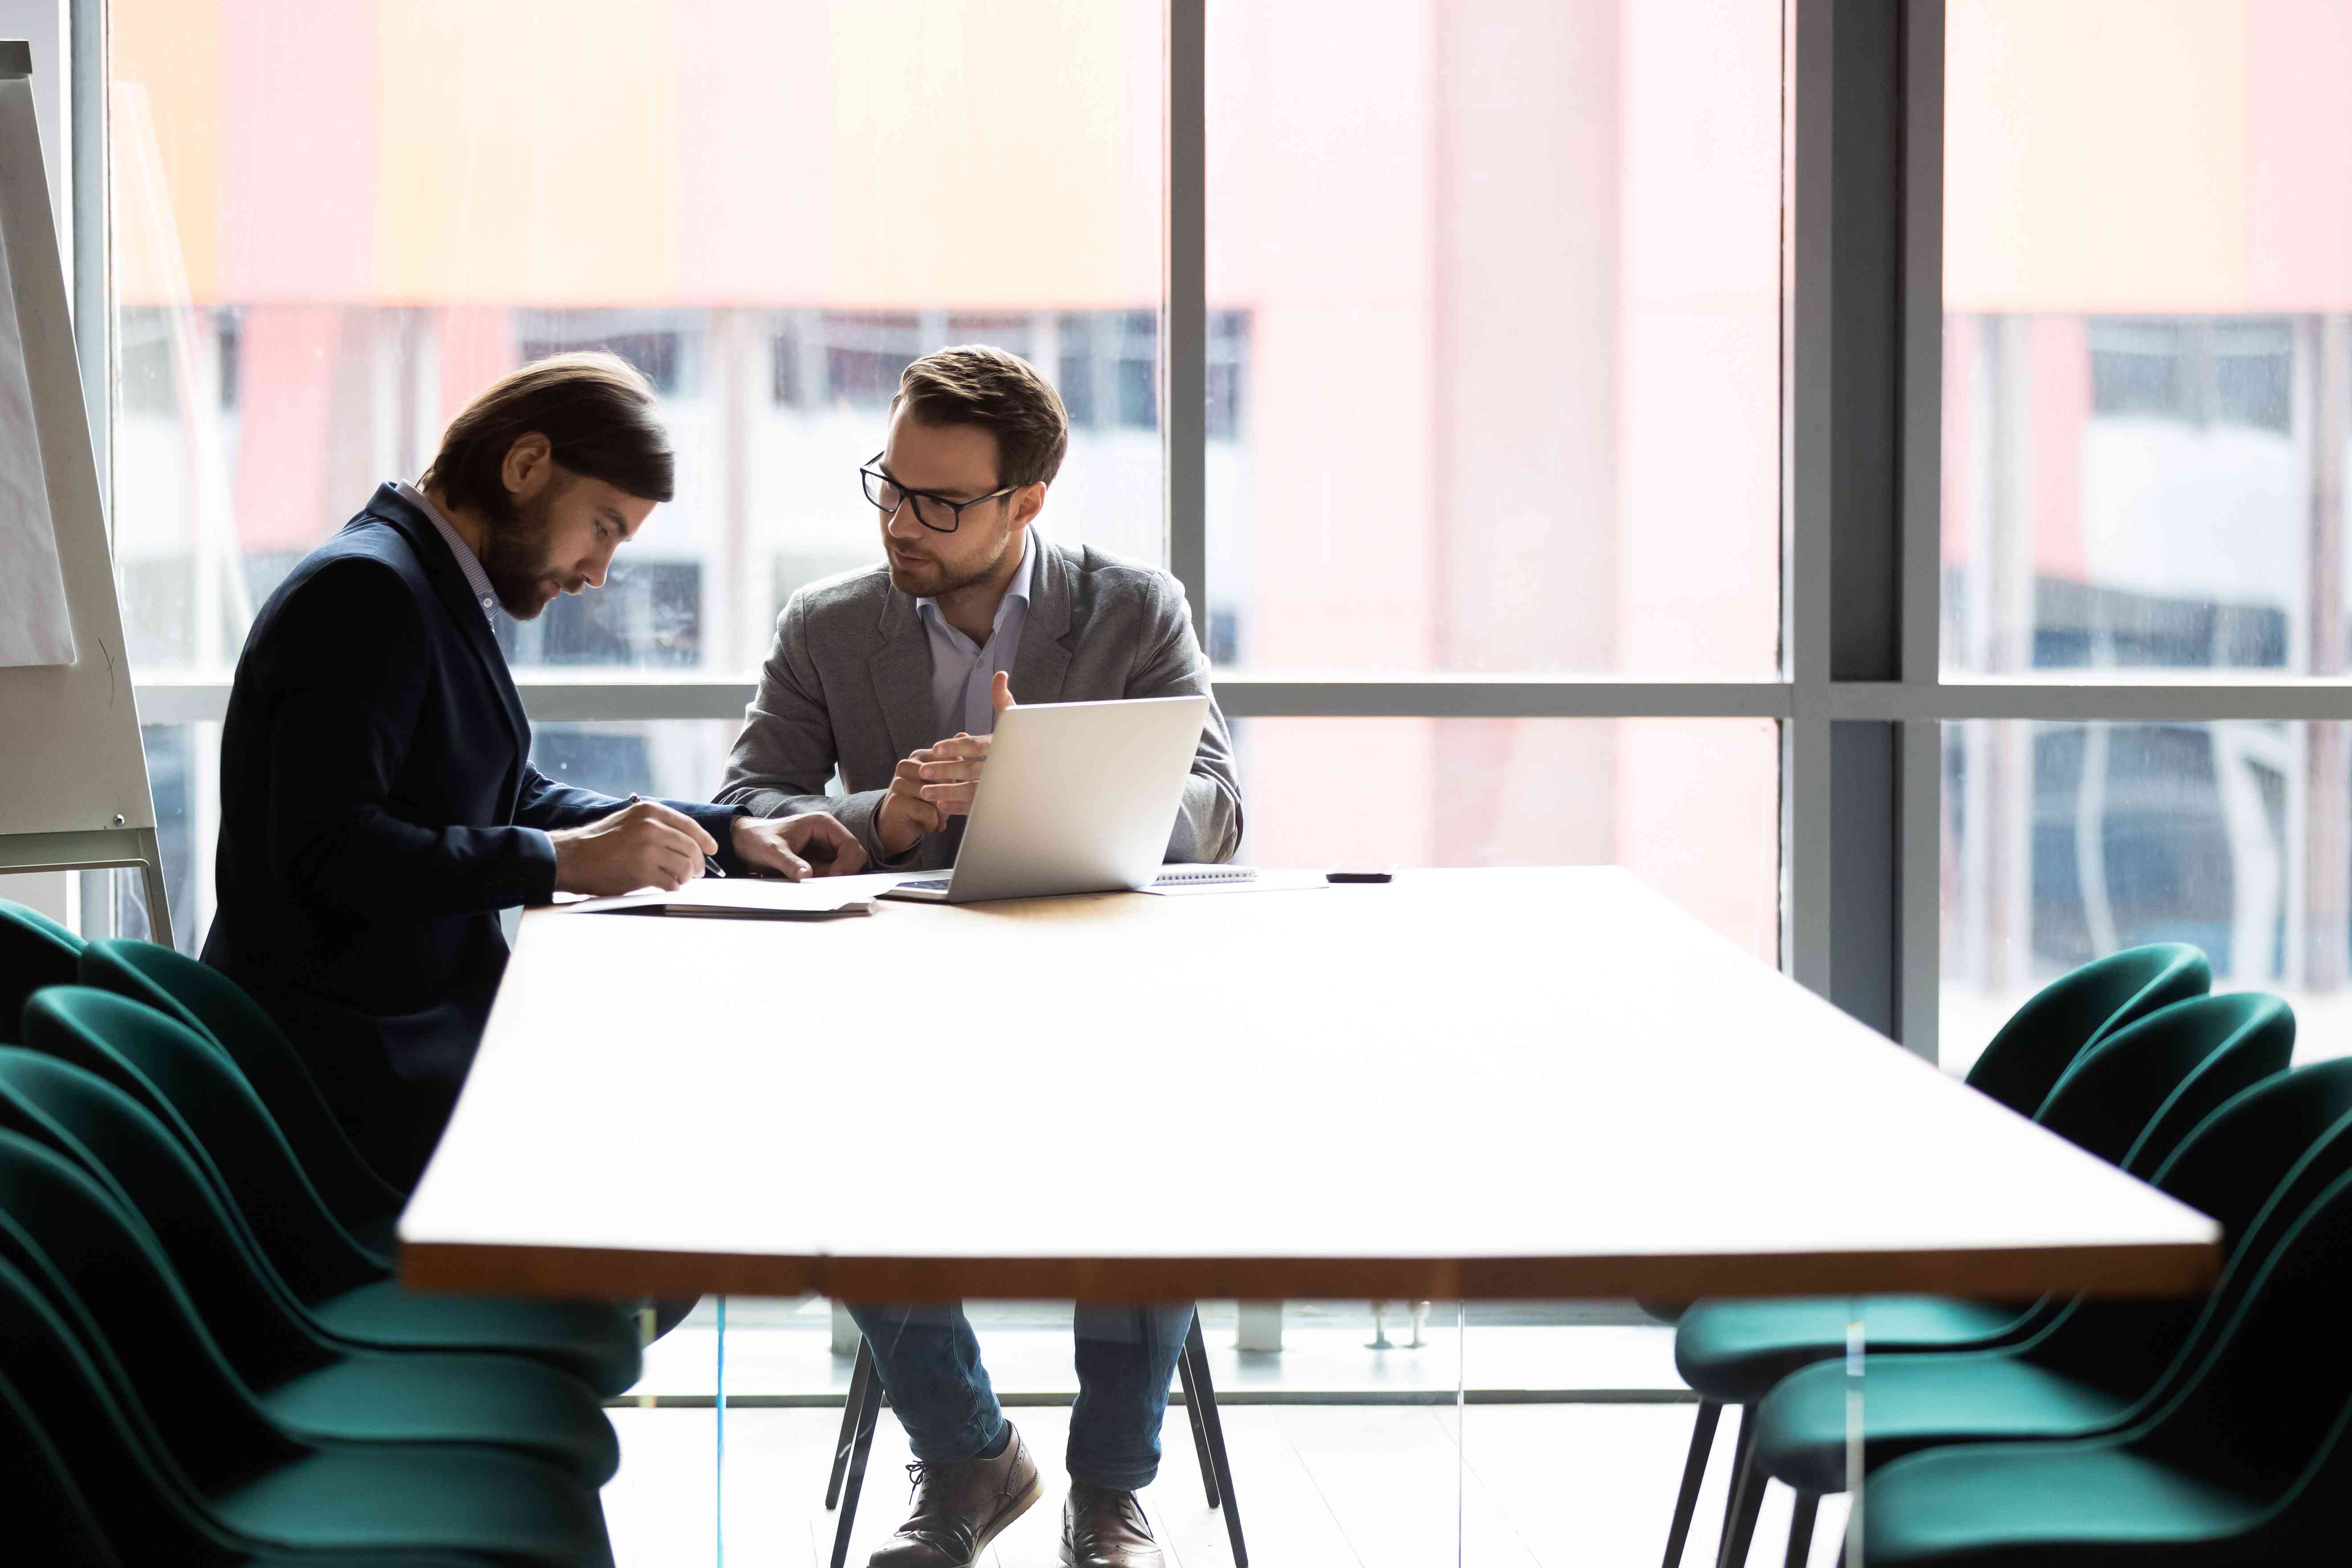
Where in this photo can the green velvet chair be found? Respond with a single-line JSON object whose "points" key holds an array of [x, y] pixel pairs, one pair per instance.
{"points": [[2251, 1462], [348, 1293], [2019, 1068], [182, 1254], [51, 1522], [34, 951], [188, 1471], [2256, 1165], [49, 1519], [214, 1007]]}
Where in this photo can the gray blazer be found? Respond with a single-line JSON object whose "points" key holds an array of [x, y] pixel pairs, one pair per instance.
{"points": [[848, 684]]}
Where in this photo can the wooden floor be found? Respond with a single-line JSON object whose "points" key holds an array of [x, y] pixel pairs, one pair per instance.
{"points": [[1346, 1486]]}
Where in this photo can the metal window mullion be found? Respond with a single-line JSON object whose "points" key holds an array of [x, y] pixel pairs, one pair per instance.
{"points": [[1184, 318], [90, 217], [87, 176], [1807, 489], [1918, 945], [170, 701]]}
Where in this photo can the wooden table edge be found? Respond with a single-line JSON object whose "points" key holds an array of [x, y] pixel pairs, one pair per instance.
{"points": [[2182, 1269]]}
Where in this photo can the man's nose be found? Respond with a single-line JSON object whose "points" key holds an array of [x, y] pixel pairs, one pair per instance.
{"points": [[596, 567], [901, 524]]}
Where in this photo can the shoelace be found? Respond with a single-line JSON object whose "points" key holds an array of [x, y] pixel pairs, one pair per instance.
{"points": [[930, 1517]]}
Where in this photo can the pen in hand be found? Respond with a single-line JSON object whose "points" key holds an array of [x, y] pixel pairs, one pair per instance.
{"points": [[710, 866]]}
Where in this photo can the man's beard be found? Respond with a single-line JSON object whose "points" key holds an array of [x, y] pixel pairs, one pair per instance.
{"points": [[514, 558], [944, 581]]}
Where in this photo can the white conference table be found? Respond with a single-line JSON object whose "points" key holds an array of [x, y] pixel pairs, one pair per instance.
{"points": [[1567, 1086]]}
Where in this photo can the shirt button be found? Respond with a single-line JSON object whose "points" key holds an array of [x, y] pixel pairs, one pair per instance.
{"points": [[485, 601]]}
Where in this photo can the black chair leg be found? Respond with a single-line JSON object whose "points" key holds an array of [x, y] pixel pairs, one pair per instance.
{"points": [[1197, 1351], [870, 1410], [1702, 1445], [859, 1371], [1801, 1530], [1746, 1496], [1200, 1430]]}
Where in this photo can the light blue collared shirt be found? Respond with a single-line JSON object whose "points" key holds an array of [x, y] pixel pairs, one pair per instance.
{"points": [[476, 578], [961, 669]]}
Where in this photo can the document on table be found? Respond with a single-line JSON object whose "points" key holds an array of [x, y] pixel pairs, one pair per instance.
{"points": [[742, 897], [36, 627]]}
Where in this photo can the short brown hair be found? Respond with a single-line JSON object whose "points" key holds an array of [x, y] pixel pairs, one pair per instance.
{"points": [[596, 412], [1002, 394]]}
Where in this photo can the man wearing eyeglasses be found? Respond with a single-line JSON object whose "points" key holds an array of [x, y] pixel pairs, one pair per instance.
{"points": [[895, 676]]}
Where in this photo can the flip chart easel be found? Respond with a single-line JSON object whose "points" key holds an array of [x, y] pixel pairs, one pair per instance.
{"points": [[73, 772]]}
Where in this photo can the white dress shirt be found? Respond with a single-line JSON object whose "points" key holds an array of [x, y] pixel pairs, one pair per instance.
{"points": [[961, 669], [476, 578]]}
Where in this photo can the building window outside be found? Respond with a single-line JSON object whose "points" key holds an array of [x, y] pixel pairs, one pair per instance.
{"points": [[2147, 409], [774, 333]]}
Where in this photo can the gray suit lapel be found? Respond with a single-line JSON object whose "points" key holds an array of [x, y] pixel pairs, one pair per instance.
{"points": [[901, 670], [1043, 660]]}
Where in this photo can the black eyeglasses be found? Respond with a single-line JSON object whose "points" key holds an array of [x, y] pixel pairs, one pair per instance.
{"points": [[937, 513]]}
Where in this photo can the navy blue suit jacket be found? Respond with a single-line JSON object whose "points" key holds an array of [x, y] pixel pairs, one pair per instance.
{"points": [[378, 808]]}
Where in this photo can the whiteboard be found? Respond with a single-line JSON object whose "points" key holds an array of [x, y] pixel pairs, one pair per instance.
{"points": [[73, 774]]}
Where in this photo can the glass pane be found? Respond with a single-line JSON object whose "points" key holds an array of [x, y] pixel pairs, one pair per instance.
{"points": [[2063, 843], [1505, 279], [753, 215], [1691, 806], [183, 772], [2147, 366]]}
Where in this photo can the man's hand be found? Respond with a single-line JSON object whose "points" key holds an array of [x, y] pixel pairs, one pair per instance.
{"points": [[936, 782], [809, 845], [950, 776], [644, 845], [905, 816]]}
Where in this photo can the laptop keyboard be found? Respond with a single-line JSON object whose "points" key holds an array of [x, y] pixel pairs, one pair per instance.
{"points": [[928, 884]]}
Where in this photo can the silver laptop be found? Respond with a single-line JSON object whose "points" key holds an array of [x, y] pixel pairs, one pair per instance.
{"points": [[1077, 797]]}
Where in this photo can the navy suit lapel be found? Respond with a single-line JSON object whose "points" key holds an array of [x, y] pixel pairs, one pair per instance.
{"points": [[457, 598]]}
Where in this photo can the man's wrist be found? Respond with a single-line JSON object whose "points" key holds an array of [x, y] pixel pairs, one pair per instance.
{"points": [[888, 826]]}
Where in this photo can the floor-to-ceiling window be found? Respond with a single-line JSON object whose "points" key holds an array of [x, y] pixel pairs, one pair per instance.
{"points": [[2148, 418], [1486, 329]]}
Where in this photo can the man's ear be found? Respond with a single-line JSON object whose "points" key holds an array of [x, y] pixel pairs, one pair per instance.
{"points": [[1027, 502], [528, 464]]}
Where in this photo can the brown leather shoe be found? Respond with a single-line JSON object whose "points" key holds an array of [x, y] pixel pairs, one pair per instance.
{"points": [[1106, 1529], [959, 1509]]}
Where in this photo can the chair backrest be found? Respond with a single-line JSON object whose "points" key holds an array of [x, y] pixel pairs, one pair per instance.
{"points": [[215, 1008], [34, 951], [2255, 1165], [48, 1516], [107, 1280], [187, 1086], [2077, 1010], [2262, 1402], [2233, 1164], [153, 1513], [2136, 1093], [265, 1331]]}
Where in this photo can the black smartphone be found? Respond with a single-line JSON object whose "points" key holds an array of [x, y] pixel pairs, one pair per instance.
{"points": [[1361, 872]]}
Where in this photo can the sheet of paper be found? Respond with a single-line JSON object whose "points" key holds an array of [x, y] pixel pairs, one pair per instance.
{"points": [[742, 896], [36, 627]]}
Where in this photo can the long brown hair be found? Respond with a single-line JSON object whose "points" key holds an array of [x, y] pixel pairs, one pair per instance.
{"points": [[598, 415]]}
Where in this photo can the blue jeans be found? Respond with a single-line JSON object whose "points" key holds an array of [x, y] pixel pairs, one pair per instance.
{"points": [[931, 1368]]}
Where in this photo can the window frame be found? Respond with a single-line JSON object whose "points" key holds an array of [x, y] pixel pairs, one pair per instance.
{"points": [[1859, 697]]}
